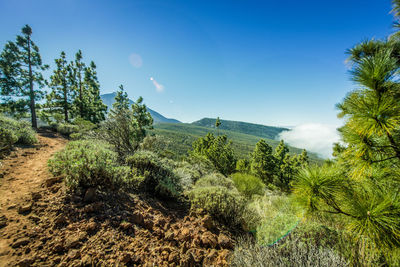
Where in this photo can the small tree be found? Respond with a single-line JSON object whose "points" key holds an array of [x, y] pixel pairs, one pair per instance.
{"points": [[263, 162], [21, 69], [217, 124], [218, 150], [126, 128]]}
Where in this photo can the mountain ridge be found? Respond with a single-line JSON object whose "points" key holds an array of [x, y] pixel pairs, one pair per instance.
{"points": [[109, 99]]}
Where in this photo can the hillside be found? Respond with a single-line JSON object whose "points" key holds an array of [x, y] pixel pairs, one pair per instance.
{"points": [[259, 130], [182, 135], [108, 99]]}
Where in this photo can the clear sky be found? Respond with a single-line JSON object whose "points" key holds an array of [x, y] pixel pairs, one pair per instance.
{"points": [[273, 62]]}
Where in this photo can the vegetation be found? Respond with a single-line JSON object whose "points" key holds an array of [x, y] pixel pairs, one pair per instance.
{"points": [[218, 150], [21, 69], [248, 185], [126, 127], [153, 175], [88, 164], [266, 132], [218, 196], [180, 137], [13, 131]]}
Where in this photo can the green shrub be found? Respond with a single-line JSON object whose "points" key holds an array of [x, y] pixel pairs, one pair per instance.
{"points": [[153, 175], [67, 128], [88, 164], [248, 184], [271, 217], [217, 196], [290, 253], [13, 131], [243, 165]]}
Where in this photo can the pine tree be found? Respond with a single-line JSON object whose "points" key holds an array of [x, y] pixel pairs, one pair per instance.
{"points": [[217, 124], [218, 150], [95, 109], [263, 162], [60, 99], [21, 71], [77, 72], [121, 100]]}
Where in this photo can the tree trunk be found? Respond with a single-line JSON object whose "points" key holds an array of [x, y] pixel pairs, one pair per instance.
{"points": [[65, 102], [31, 92]]}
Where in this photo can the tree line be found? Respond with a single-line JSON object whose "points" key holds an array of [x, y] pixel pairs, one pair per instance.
{"points": [[74, 86]]}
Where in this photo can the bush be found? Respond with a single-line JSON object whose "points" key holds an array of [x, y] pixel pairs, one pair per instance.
{"points": [[13, 131], [248, 184], [67, 128], [291, 253], [272, 217], [88, 164], [218, 197], [154, 175]]}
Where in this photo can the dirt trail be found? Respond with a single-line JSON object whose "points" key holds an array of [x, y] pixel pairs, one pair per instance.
{"points": [[24, 172]]}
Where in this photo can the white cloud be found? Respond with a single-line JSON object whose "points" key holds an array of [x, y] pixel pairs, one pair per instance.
{"points": [[135, 60], [314, 137], [159, 87]]}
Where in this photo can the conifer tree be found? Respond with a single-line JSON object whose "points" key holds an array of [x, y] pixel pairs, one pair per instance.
{"points": [[95, 109], [21, 78], [77, 72], [217, 124], [60, 99], [263, 162]]}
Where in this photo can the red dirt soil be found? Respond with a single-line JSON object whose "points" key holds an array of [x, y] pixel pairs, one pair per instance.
{"points": [[41, 224]]}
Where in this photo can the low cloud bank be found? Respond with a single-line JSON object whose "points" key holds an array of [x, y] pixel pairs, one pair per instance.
{"points": [[314, 137]]}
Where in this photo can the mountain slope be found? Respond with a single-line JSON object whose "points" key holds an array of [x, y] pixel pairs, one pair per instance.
{"points": [[109, 99], [259, 130], [180, 137]]}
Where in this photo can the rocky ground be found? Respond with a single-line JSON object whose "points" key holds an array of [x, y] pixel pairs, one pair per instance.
{"points": [[43, 225]]}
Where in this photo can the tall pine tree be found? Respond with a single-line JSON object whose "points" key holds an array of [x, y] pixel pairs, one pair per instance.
{"points": [[21, 78], [59, 101]]}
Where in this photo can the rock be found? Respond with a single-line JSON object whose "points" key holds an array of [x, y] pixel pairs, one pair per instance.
{"points": [[169, 236], [126, 226], [60, 220], [208, 222], [86, 260], [90, 195], [125, 258], [210, 257], [20, 242], [73, 240], [173, 257], [91, 226], [137, 218], [184, 235], [25, 262], [187, 260], [73, 254], [25, 209], [149, 223], [209, 240], [58, 246], [34, 218], [36, 196], [3, 221], [225, 242], [12, 206], [53, 180]]}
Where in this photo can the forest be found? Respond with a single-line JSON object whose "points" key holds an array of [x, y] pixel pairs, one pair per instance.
{"points": [[279, 206]]}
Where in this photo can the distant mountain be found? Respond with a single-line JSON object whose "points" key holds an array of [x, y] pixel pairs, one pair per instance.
{"points": [[259, 130], [109, 99]]}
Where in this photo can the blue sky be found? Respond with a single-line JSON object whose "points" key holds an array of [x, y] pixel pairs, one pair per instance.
{"points": [[268, 62]]}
